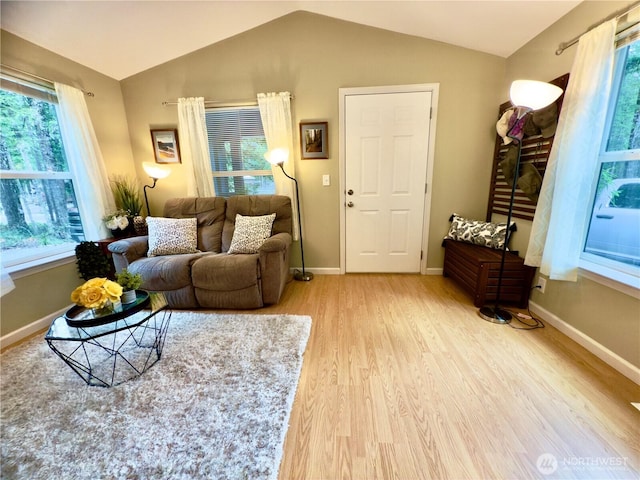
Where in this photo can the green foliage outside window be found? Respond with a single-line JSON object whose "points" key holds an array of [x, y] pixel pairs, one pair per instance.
{"points": [[252, 150], [625, 127], [36, 191], [237, 147], [613, 236]]}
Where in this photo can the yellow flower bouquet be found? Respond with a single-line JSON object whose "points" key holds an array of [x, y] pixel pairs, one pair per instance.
{"points": [[96, 293]]}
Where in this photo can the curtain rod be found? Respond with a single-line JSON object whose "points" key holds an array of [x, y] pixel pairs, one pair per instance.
{"points": [[226, 103], [37, 77], [620, 13]]}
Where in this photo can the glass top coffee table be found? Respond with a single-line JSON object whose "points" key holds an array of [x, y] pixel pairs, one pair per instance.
{"points": [[108, 349]]}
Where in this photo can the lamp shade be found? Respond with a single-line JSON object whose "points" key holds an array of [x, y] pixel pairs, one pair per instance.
{"points": [[277, 156], [155, 171], [532, 94]]}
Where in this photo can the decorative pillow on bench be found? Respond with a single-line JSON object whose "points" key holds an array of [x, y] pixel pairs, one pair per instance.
{"points": [[487, 234], [250, 233], [172, 236]]}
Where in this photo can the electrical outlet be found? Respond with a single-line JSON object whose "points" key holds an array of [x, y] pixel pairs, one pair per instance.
{"points": [[542, 284]]}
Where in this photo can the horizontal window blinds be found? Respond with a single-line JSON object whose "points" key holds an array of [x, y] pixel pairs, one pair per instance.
{"points": [[28, 88], [628, 28], [226, 129]]}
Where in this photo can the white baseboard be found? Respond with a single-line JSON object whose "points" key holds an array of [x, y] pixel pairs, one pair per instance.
{"points": [[614, 360], [336, 271], [28, 330], [320, 271], [434, 271]]}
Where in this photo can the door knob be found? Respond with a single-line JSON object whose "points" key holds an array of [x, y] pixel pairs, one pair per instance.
{"points": [[350, 192], [350, 204]]}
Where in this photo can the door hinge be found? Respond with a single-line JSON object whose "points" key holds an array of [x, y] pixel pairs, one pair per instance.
{"points": [[430, 113], [426, 185], [421, 254]]}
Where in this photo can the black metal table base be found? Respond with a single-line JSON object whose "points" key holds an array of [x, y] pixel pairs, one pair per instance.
{"points": [[115, 357]]}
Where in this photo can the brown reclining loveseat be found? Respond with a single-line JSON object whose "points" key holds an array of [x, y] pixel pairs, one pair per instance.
{"points": [[211, 277]]}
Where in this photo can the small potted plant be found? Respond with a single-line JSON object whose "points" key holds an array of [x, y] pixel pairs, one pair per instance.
{"points": [[129, 282], [119, 224], [126, 194]]}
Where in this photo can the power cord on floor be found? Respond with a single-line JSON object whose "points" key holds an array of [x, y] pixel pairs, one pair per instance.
{"points": [[523, 319], [535, 322]]}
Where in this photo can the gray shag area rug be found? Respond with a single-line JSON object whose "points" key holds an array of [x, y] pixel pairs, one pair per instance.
{"points": [[216, 406]]}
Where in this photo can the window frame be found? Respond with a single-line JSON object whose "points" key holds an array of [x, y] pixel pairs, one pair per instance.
{"points": [[237, 173], [46, 256], [617, 275]]}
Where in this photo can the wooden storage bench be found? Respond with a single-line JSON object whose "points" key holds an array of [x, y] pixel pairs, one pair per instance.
{"points": [[476, 270]]}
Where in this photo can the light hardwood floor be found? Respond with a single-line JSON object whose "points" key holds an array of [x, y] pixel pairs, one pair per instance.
{"points": [[403, 380]]}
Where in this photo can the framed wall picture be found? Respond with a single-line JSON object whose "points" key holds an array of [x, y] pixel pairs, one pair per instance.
{"points": [[165, 146], [313, 140]]}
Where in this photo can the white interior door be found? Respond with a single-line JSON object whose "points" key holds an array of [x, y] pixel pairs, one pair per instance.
{"points": [[386, 154]]}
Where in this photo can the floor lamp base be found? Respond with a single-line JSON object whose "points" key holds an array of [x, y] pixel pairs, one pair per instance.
{"points": [[495, 315], [303, 276]]}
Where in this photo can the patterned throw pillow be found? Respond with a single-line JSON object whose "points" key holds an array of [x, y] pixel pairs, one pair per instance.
{"points": [[250, 233], [172, 236], [487, 234]]}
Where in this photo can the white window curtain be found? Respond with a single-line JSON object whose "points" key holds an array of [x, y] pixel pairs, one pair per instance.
{"points": [[91, 184], [561, 216], [275, 112], [194, 147]]}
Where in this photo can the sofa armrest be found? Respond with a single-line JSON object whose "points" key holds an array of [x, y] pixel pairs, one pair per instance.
{"points": [[274, 266], [276, 243], [128, 250]]}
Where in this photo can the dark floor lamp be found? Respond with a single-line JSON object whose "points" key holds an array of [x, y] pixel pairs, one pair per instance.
{"points": [[278, 156], [156, 173], [526, 96]]}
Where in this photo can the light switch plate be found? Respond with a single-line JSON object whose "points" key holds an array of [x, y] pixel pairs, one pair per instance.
{"points": [[326, 180]]}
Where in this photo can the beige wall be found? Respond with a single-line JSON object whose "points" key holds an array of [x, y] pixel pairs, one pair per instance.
{"points": [[313, 56], [41, 294], [609, 317], [37, 296]]}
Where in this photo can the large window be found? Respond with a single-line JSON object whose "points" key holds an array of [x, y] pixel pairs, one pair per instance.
{"points": [[236, 148], [613, 237], [38, 208]]}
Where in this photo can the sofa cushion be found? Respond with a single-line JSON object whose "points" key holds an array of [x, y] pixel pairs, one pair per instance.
{"points": [[250, 233], [168, 272], [227, 281], [171, 236], [255, 205], [225, 272], [210, 214]]}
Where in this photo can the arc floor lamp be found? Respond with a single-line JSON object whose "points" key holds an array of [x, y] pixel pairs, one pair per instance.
{"points": [[278, 156], [526, 96], [156, 173]]}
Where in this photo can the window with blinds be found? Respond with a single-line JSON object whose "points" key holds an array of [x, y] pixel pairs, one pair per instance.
{"points": [[236, 148]]}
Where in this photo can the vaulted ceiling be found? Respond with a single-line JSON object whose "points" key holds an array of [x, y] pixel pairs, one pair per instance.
{"points": [[122, 38]]}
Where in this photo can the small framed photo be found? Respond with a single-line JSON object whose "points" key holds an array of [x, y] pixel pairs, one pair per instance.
{"points": [[313, 140], [165, 146]]}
